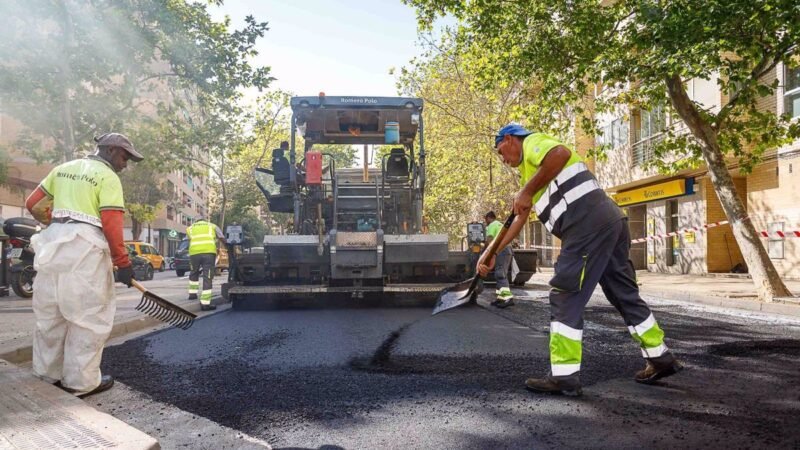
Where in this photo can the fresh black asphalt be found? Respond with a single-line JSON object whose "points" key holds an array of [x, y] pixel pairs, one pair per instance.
{"points": [[321, 378]]}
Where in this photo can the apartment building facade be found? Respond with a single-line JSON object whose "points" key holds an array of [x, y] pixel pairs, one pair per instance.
{"points": [[657, 204]]}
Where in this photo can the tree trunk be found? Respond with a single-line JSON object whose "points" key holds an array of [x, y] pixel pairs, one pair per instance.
{"points": [[224, 194], [768, 283], [136, 229], [69, 128]]}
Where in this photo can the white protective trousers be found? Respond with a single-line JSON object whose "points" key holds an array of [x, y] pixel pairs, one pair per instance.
{"points": [[73, 300]]}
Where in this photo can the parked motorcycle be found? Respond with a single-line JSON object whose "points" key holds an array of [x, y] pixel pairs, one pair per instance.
{"points": [[20, 252]]}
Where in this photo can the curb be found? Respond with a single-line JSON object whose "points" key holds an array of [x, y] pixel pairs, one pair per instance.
{"points": [[786, 307], [24, 354]]}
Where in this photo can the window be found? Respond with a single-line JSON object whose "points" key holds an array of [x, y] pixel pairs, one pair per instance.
{"points": [[651, 123], [672, 225], [775, 243], [791, 91], [170, 212], [648, 134], [615, 134]]}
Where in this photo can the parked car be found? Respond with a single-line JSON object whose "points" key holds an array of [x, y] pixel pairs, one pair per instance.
{"points": [[181, 260], [142, 270], [149, 252]]}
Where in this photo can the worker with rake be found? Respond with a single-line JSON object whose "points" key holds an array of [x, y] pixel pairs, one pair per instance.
{"points": [[595, 242], [73, 293]]}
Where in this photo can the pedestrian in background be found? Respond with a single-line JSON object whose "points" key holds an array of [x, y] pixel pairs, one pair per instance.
{"points": [[73, 292], [504, 296], [203, 237], [595, 242]]}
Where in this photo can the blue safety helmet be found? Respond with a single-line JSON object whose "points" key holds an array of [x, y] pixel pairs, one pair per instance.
{"points": [[513, 129]]}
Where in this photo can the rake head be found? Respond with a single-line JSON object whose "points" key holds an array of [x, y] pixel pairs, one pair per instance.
{"points": [[165, 311]]}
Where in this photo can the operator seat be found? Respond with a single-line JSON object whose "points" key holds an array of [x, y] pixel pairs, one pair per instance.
{"points": [[280, 168], [397, 166]]}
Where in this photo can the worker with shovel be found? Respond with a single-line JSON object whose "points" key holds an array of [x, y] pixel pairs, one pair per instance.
{"points": [[595, 242], [73, 293]]}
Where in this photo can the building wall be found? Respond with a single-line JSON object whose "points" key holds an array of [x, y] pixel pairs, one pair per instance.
{"points": [[773, 199], [723, 251]]}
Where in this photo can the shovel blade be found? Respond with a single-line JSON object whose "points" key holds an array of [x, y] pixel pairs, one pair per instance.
{"points": [[454, 296]]}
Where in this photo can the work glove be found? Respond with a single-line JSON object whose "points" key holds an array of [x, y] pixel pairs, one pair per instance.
{"points": [[125, 275]]}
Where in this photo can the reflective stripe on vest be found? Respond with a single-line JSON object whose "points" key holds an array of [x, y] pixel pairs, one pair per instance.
{"points": [[573, 183], [202, 238]]}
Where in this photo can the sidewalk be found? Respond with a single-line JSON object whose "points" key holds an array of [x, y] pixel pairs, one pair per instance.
{"points": [[17, 321], [35, 414], [717, 290]]}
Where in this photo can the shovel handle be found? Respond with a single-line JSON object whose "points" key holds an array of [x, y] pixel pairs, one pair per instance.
{"points": [[492, 250]]}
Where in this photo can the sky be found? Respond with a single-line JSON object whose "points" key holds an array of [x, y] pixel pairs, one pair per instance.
{"points": [[340, 47]]}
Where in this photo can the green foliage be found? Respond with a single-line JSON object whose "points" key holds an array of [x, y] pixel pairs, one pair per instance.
{"points": [[465, 177], [632, 48], [71, 70], [270, 119], [343, 155], [253, 228], [144, 193]]}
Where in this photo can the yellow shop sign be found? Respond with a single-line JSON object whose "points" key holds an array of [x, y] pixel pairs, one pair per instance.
{"points": [[659, 191]]}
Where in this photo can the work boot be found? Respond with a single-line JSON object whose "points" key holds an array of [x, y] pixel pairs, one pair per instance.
{"points": [[106, 382], [567, 385], [207, 307], [505, 298], [192, 296], [658, 368]]}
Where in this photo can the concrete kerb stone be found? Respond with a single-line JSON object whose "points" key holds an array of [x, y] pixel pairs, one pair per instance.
{"points": [[785, 307], [24, 354], [40, 415]]}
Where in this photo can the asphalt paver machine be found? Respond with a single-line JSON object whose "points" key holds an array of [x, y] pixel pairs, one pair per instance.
{"points": [[355, 233]]}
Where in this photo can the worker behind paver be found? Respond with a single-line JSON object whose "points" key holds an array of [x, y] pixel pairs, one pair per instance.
{"points": [[203, 237], [505, 297], [73, 293], [595, 242]]}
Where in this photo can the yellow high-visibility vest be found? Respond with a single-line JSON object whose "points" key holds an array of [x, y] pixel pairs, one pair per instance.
{"points": [[202, 238]]}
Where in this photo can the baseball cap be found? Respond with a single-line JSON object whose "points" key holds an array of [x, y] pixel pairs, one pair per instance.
{"points": [[118, 140], [514, 129]]}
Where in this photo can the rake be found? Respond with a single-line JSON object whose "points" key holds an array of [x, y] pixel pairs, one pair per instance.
{"points": [[162, 309]]}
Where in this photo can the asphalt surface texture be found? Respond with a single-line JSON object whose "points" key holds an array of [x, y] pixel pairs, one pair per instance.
{"points": [[399, 378]]}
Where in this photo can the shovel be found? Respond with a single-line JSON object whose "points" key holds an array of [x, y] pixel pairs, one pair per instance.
{"points": [[466, 291], [162, 309]]}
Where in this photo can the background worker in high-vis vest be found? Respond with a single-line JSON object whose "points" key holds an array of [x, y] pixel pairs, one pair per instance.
{"points": [[595, 242], [73, 293], [203, 236], [505, 297]]}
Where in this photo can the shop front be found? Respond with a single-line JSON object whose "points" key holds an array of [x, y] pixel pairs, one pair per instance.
{"points": [[662, 208]]}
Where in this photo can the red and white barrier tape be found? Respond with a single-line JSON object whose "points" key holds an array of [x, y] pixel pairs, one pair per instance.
{"points": [[766, 234], [683, 231], [780, 234]]}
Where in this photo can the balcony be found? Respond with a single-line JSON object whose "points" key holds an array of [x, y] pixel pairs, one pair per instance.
{"points": [[643, 150]]}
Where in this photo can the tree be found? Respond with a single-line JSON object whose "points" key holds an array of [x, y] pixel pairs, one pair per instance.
{"points": [[465, 179], [144, 194], [646, 51], [343, 155], [74, 69], [253, 228]]}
